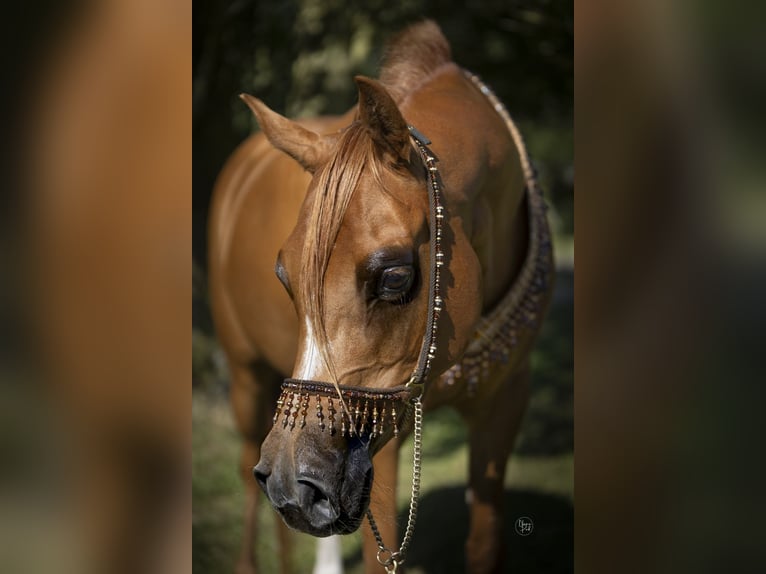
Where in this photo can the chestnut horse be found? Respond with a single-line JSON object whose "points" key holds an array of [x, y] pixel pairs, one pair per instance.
{"points": [[366, 263]]}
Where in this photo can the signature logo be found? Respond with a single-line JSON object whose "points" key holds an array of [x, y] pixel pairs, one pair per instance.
{"points": [[524, 526]]}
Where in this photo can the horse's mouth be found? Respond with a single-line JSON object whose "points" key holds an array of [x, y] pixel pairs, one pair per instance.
{"points": [[297, 519]]}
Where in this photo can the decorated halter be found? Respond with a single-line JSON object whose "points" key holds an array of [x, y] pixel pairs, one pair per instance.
{"points": [[370, 412]]}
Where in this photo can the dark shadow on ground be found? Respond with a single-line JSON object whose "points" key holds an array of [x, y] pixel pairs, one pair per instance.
{"points": [[438, 546]]}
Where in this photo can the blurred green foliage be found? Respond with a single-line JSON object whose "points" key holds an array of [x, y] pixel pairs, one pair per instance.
{"points": [[300, 57]]}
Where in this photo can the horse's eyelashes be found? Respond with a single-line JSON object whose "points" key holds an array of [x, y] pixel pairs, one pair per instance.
{"points": [[389, 275], [395, 284]]}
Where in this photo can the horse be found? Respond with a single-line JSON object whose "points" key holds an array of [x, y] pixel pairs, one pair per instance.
{"points": [[366, 268]]}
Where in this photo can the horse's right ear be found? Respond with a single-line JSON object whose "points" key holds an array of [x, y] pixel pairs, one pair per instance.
{"points": [[382, 118], [306, 147]]}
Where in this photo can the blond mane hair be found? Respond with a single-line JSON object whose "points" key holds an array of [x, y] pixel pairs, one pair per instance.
{"points": [[410, 60]]}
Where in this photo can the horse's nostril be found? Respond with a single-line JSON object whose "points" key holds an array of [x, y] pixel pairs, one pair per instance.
{"points": [[261, 477], [313, 491], [314, 495]]}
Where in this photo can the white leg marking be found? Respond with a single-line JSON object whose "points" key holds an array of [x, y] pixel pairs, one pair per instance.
{"points": [[310, 360], [328, 559]]}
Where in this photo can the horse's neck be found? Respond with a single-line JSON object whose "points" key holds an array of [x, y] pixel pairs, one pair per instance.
{"points": [[483, 178]]}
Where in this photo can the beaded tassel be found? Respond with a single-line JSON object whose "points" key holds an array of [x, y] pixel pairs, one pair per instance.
{"points": [[374, 420], [320, 416], [294, 413], [331, 408], [280, 403], [369, 414], [304, 410], [394, 421], [357, 414], [286, 411], [382, 418]]}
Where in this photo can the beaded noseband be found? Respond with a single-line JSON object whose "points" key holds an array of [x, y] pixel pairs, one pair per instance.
{"points": [[368, 411]]}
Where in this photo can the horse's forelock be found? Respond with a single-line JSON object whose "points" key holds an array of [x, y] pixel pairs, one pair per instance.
{"points": [[411, 58], [336, 183]]}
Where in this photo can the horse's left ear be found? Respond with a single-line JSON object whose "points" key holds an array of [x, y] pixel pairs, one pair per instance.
{"points": [[304, 146], [379, 113]]}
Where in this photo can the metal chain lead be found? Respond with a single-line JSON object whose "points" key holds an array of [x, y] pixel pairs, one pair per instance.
{"points": [[387, 558]]}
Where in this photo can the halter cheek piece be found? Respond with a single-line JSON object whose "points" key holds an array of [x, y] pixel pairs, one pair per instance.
{"points": [[370, 411]]}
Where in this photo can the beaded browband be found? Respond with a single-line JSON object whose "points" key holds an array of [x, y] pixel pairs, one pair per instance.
{"points": [[368, 411]]}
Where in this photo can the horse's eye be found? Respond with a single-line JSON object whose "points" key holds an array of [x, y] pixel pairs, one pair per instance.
{"points": [[395, 283]]}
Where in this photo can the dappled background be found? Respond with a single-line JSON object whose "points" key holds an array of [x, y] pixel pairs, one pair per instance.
{"points": [[300, 57]]}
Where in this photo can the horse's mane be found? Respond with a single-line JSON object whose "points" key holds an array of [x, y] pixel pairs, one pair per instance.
{"points": [[412, 57], [410, 60]]}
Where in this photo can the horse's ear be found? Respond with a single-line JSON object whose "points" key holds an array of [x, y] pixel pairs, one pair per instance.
{"points": [[306, 147], [379, 113]]}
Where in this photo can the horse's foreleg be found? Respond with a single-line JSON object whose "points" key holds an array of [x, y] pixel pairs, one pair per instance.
{"points": [[492, 427], [246, 561], [383, 505], [251, 400], [329, 557], [285, 545]]}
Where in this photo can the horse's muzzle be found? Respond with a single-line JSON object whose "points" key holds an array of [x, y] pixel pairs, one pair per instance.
{"points": [[305, 505], [320, 504]]}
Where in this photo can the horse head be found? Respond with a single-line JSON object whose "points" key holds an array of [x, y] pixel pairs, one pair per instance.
{"points": [[356, 268]]}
